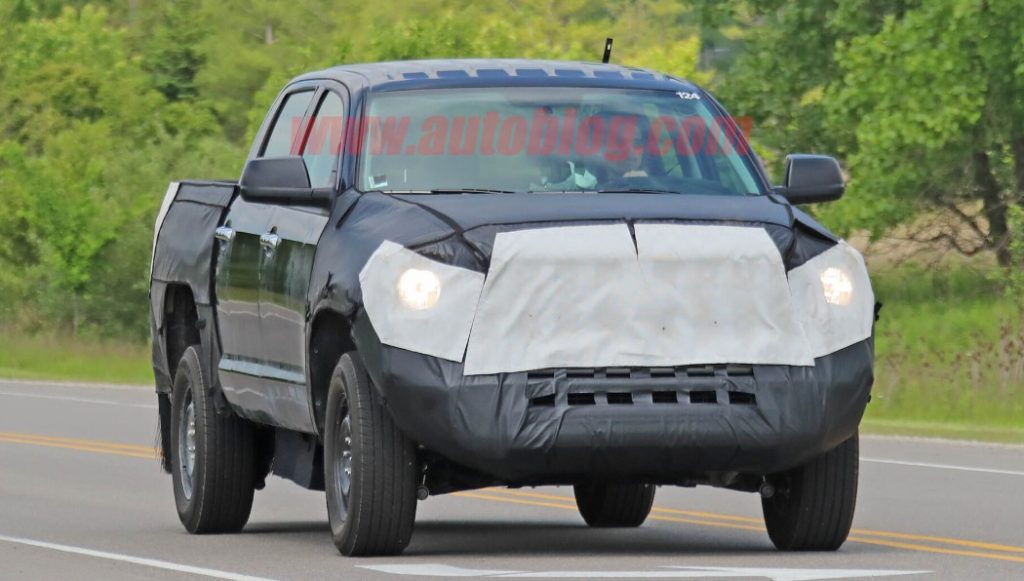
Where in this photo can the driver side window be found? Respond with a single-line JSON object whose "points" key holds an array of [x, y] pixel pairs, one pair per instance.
{"points": [[286, 136], [326, 138]]}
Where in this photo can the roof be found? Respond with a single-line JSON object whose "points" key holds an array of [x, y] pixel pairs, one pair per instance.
{"points": [[494, 72]]}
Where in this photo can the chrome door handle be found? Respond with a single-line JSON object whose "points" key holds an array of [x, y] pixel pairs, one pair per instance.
{"points": [[270, 241], [224, 234]]}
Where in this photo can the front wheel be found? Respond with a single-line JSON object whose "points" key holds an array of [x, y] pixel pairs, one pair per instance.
{"points": [[212, 455], [614, 505], [370, 468], [812, 507]]}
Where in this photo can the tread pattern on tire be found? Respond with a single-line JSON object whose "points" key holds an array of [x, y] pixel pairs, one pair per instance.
{"points": [[614, 505], [224, 477], [816, 512], [385, 469]]}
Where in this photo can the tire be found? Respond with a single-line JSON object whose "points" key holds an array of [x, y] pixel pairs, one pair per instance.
{"points": [[812, 507], [213, 487], [614, 505], [371, 472]]}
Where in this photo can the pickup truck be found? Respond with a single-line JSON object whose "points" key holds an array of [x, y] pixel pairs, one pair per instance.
{"points": [[436, 276]]}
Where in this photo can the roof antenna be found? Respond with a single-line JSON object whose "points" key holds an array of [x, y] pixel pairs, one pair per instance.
{"points": [[607, 50]]}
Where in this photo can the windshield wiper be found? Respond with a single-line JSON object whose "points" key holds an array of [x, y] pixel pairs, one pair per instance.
{"points": [[561, 191], [637, 191], [469, 191], [443, 191]]}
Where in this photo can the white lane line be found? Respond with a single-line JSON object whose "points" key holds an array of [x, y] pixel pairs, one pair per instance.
{"points": [[78, 399], [960, 443], [134, 560], [944, 466], [671, 572]]}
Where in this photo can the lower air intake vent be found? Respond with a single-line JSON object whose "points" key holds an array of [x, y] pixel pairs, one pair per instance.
{"points": [[664, 397], [581, 399], [620, 398], [703, 397]]}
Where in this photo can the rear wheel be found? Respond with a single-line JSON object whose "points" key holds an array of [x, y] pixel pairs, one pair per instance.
{"points": [[812, 507], [614, 505], [212, 455], [370, 468]]}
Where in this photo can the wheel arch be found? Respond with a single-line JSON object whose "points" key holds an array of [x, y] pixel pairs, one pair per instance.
{"points": [[180, 330], [181, 324], [330, 337]]}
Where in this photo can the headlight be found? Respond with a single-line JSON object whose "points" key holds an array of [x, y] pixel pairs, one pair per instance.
{"points": [[419, 289], [837, 286], [401, 291]]}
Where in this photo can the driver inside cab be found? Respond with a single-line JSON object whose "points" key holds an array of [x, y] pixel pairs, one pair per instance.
{"points": [[617, 155]]}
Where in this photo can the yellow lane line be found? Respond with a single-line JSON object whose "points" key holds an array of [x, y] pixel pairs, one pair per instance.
{"points": [[83, 449], [96, 447], [76, 441], [499, 498], [946, 540], [728, 517], [943, 551], [513, 500], [568, 504], [695, 513]]}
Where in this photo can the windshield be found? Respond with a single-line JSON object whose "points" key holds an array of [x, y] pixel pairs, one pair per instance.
{"points": [[552, 139]]}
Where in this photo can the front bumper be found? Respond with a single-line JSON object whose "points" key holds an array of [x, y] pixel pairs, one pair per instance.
{"points": [[669, 425]]}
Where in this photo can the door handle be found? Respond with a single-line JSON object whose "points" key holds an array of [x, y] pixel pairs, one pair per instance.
{"points": [[269, 241], [224, 234]]}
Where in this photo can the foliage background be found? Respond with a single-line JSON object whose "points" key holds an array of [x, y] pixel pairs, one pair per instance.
{"points": [[105, 101]]}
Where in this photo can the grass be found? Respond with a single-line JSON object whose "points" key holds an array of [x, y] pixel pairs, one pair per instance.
{"points": [[950, 353], [948, 430], [49, 358]]}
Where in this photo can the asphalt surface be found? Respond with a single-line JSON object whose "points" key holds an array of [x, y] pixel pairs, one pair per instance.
{"points": [[82, 497]]}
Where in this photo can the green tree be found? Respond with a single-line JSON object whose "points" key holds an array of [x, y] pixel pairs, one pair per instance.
{"points": [[919, 98], [939, 121], [86, 148], [171, 53]]}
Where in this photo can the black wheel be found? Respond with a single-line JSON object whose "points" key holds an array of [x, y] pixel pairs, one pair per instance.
{"points": [[370, 468], [212, 456], [614, 505], [812, 507]]}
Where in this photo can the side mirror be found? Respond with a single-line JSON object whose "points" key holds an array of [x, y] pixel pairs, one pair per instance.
{"points": [[812, 178], [281, 180]]}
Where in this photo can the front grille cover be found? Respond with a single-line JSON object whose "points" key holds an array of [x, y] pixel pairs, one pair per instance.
{"points": [[698, 384]]}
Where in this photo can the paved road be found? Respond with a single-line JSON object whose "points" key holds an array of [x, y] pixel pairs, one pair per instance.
{"points": [[82, 497]]}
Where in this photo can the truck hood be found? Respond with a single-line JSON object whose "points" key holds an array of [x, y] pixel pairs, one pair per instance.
{"points": [[469, 211]]}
